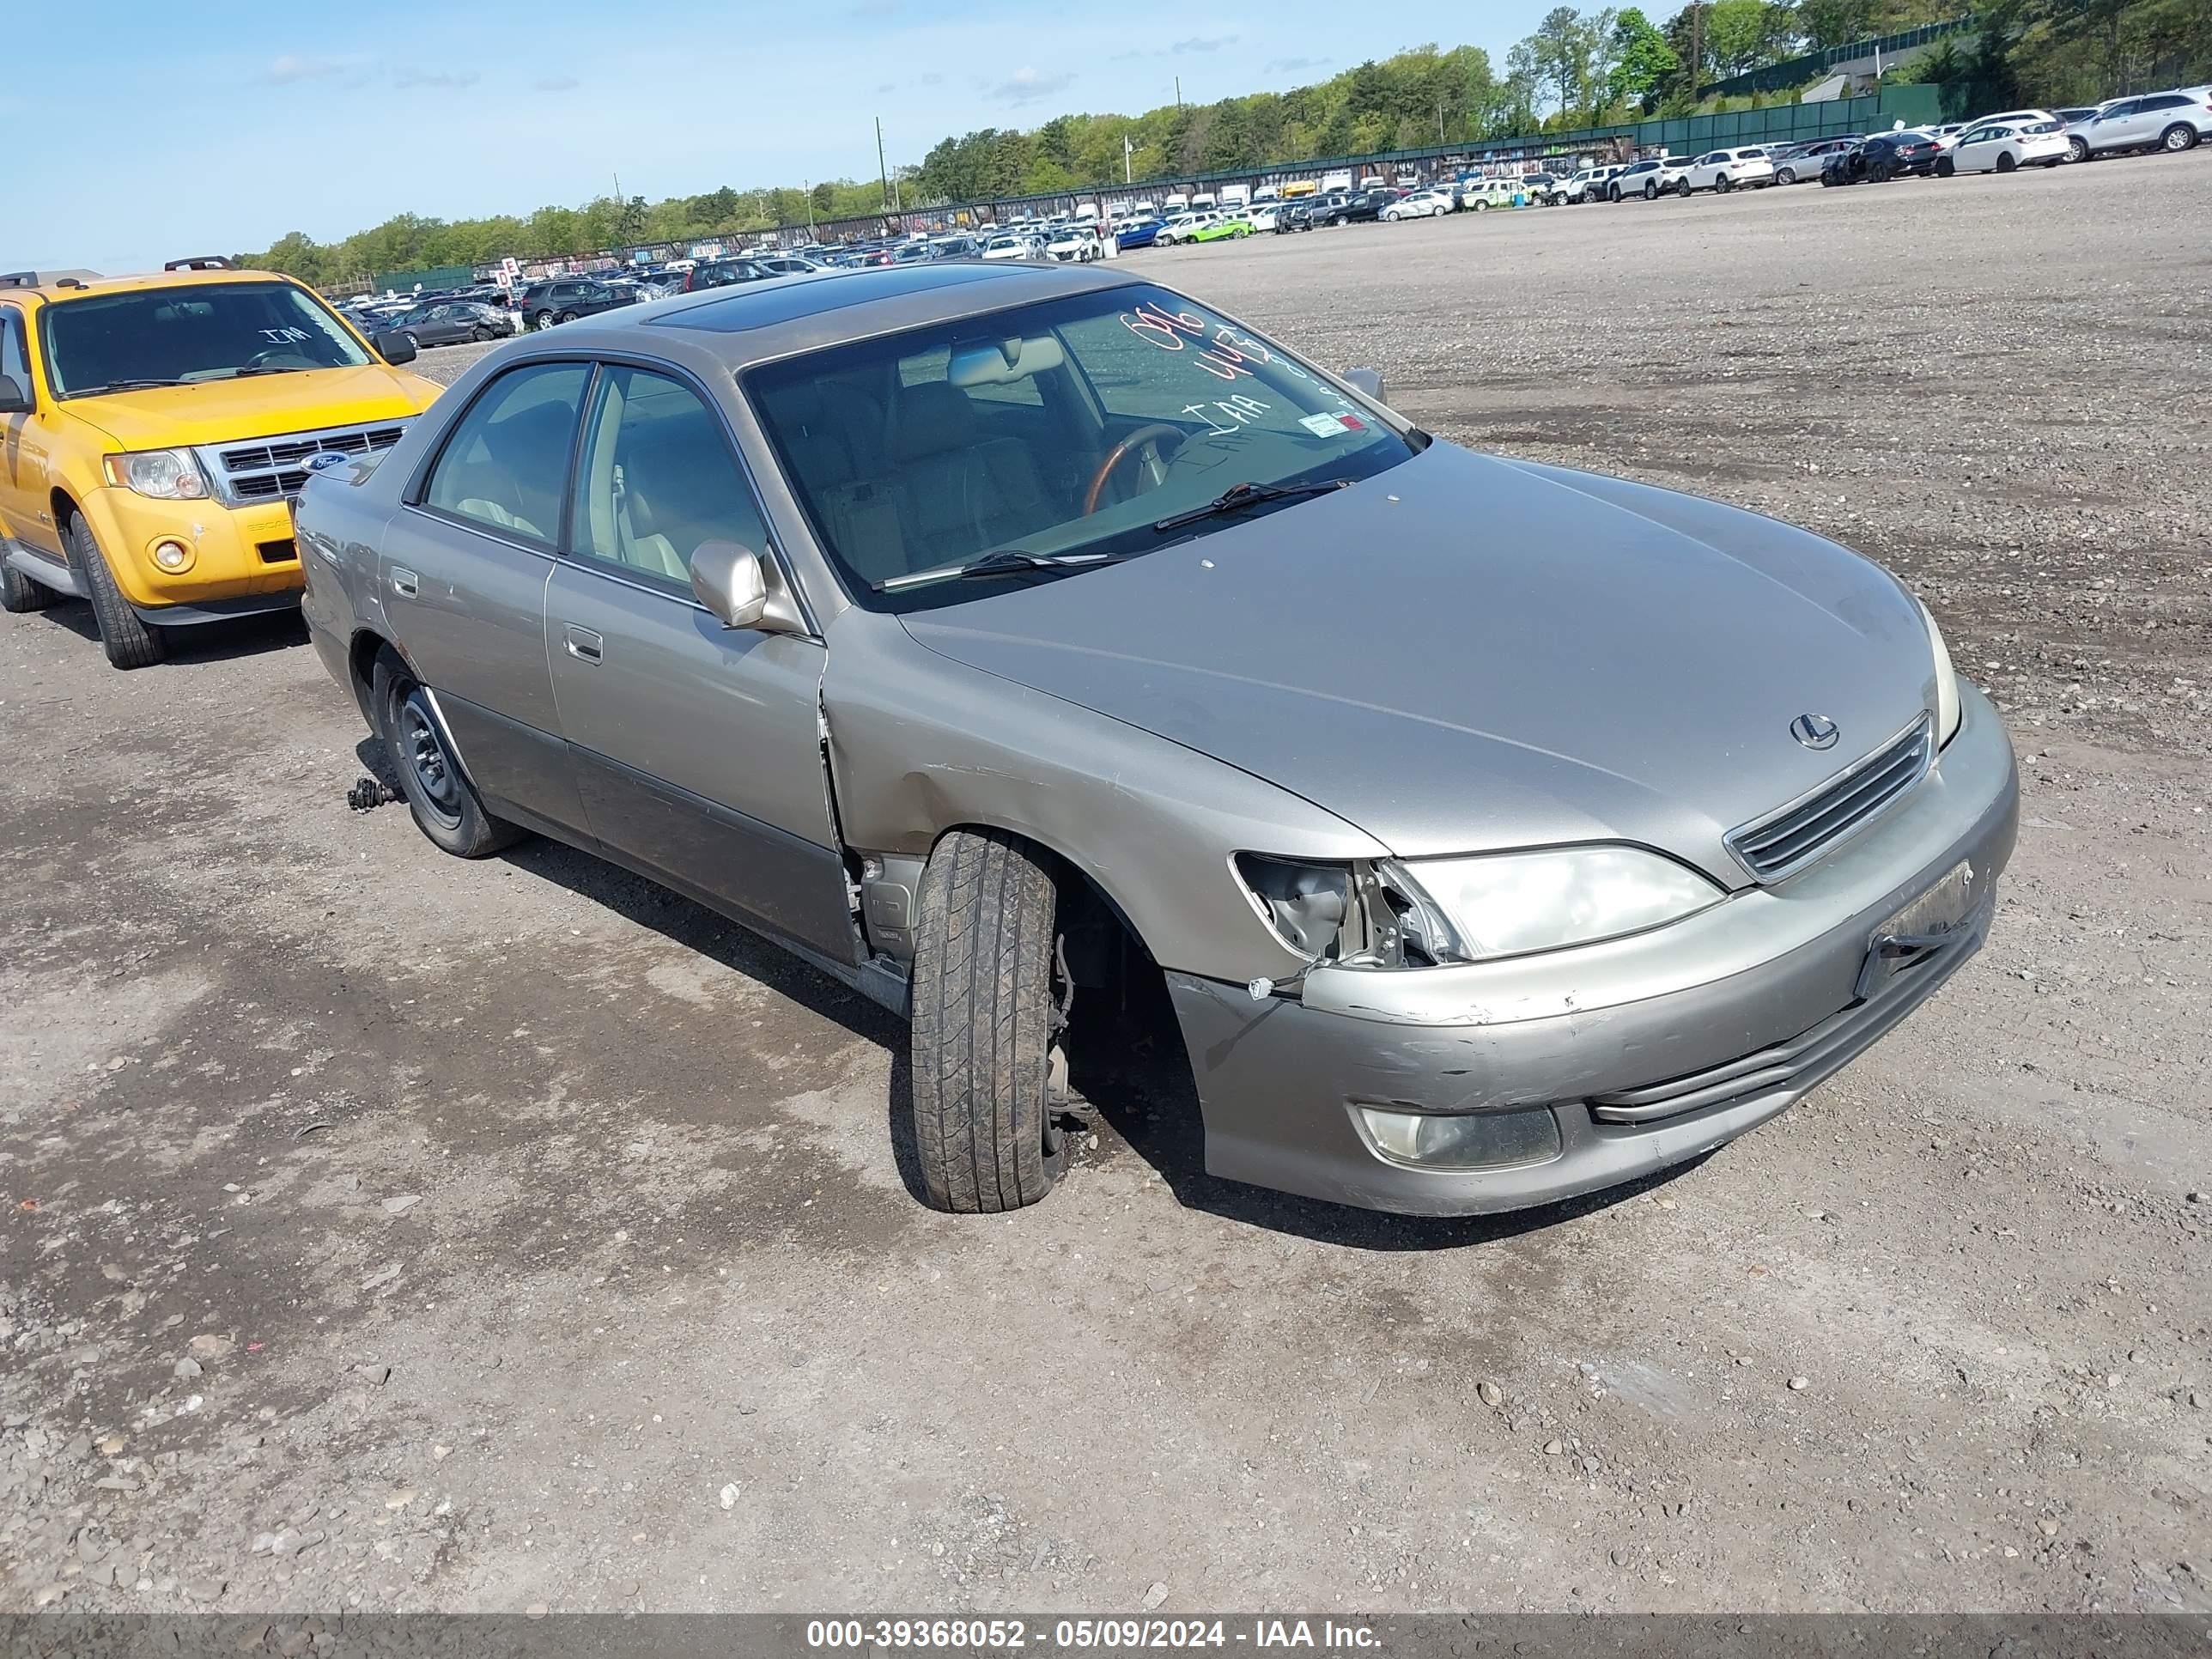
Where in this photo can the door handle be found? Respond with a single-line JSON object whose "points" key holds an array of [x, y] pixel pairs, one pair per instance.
{"points": [[404, 582], [583, 645]]}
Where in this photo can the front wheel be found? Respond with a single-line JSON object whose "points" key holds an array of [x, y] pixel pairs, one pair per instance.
{"points": [[1682, 189], [480, 333], [983, 1009], [2178, 137], [128, 639], [1945, 166], [1786, 177], [442, 800], [2078, 148]]}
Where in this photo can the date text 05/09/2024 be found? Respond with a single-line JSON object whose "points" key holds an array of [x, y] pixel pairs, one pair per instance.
{"points": [[1088, 1634]]}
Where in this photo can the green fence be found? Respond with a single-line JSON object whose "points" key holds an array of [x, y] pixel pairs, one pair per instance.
{"points": [[403, 281], [1915, 106], [1797, 71]]}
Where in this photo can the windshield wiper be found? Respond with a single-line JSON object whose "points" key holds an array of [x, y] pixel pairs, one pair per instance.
{"points": [[995, 564], [1236, 497], [121, 386]]}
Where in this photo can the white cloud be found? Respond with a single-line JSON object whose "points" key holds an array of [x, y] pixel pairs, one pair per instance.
{"points": [[407, 75], [1026, 86], [555, 83], [1204, 43], [293, 67]]}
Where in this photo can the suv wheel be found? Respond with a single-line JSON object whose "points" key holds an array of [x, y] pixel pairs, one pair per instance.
{"points": [[1682, 188], [19, 594], [1650, 190], [124, 634], [1946, 166], [568, 316], [2178, 137], [541, 320], [1724, 184], [442, 800], [2077, 147], [1786, 177], [982, 1056]]}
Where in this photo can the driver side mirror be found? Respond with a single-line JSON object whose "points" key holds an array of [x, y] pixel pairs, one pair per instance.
{"points": [[394, 347], [13, 399], [738, 586], [1368, 382]]}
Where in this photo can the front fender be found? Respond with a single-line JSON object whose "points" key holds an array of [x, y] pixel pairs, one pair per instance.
{"points": [[919, 743]]}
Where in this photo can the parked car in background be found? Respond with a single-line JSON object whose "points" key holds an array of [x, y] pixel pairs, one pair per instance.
{"points": [[725, 273], [1262, 216], [851, 610], [2074, 121], [1354, 208], [790, 265], [1420, 204], [2002, 146], [449, 322], [1724, 170], [1138, 233], [1073, 244], [1797, 164], [1180, 227], [1294, 216], [1881, 158], [1480, 195], [2171, 121], [1636, 179], [566, 299], [1225, 228], [1009, 247], [1543, 188]]}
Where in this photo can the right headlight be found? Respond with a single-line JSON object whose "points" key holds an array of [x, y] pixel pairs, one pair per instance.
{"points": [[1509, 904], [166, 475], [1947, 712]]}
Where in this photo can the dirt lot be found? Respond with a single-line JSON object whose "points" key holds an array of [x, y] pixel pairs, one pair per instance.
{"points": [[391, 1231]]}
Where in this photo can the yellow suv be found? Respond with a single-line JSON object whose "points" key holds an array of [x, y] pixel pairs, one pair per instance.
{"points": [[154, 431]]}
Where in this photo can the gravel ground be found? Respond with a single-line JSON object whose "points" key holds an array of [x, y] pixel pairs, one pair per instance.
{"points": [[388, 1231]]}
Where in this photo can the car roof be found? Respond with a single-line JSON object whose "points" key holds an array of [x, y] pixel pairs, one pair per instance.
{"points": [[738, 327], [54, 286]]}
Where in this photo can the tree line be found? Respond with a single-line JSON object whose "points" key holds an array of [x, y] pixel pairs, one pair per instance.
{"points": [[1577, 68]]}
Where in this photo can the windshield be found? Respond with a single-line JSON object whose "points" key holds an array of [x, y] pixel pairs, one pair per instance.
{"points": [[1077, 426], [196, 331]]}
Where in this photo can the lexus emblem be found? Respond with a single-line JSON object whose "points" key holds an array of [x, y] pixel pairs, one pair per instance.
{"points": [[1814, 731]]}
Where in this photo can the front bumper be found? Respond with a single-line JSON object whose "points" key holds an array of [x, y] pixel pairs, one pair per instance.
{"points": [[1646, 1051], [243, 558]]}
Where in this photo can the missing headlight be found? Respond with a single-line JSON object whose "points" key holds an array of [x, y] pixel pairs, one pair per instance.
{"points": [[1305, 904]]}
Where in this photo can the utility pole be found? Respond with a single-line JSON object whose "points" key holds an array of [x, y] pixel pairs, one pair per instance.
{"points": [[882, 171], [1128, 150], [1697, 49], [1178, 80], [1440, 121]]}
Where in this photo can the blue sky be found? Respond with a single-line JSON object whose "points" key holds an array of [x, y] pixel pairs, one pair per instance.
{"points": [[211, 125]]}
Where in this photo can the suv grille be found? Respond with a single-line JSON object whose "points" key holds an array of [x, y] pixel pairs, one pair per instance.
{"points": [[271, 471], [1784, 841]]}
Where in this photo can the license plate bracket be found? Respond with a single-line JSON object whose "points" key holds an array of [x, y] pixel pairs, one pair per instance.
{"points": [[1923, 928]]}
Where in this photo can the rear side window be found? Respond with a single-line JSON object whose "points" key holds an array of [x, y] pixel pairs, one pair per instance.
{"points": [[506, 465], [14, 361], [2168, 100]]}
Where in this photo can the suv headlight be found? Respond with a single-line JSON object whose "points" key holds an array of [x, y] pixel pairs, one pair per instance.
{"points": [[167, 475], [1508, 904], [1947, 712]]}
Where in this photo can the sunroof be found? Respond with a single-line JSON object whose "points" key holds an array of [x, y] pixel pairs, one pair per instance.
{"points": [[763, 305]]}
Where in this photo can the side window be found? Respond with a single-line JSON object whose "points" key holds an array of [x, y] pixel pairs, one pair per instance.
{"points": [[658, 480], [506, 464], [14, 363], [2169, 100]]}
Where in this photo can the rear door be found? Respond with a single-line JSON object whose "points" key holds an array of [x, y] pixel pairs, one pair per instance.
{"points": [[697, 747], [463, 575]]}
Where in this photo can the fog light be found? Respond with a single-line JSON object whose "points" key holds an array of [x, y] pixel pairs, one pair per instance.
{"points": [[1463, 1140], [173, 556]]}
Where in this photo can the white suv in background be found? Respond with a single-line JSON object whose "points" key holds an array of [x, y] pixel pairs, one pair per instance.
{"points": [[2172, 121], [1723, 170]]}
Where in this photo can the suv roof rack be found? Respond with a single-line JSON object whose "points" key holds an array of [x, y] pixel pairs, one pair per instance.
{"points": [[202, 262], [19, 279]]}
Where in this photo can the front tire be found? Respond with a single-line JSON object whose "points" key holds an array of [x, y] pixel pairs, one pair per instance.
{"points": [[1682, 189], [443, 801], [2078, 148], [1786, 177], [1945, 166], [128, 639], [982, 1055]]}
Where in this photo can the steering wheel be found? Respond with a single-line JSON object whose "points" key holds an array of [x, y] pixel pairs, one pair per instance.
{"points": [[1146, 436], [263, 359]]}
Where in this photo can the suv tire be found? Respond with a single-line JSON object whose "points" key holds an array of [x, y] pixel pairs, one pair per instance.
{"points": [[981, 1045], [2178, 137], [126, 637], [1650, 190], [19, 594], [541, 320], [438, 794]]}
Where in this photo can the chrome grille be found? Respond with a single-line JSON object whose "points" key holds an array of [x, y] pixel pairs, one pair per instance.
{"points": [[1787, 840], [270, 470]]}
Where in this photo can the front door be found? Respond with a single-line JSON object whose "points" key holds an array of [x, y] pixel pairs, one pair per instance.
{"points": [[697, 747], [462, 580]]}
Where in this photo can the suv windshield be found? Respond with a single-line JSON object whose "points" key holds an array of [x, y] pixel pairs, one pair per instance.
{"points": [[1073, 426], [195, 332]]}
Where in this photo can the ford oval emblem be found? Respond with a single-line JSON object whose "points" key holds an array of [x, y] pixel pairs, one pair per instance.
{"points": [[324, 460], [1814, 731]]}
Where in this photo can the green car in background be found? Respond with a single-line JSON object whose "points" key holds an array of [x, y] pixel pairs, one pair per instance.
{"points": [[1225, 230]]}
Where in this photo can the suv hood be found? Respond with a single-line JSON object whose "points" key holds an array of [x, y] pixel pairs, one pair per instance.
{"points": [[1465, 653], [261, 406]]}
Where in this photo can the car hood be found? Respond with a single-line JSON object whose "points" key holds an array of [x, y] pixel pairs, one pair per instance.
{"points": [[225, 411], [1464, 653]]}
